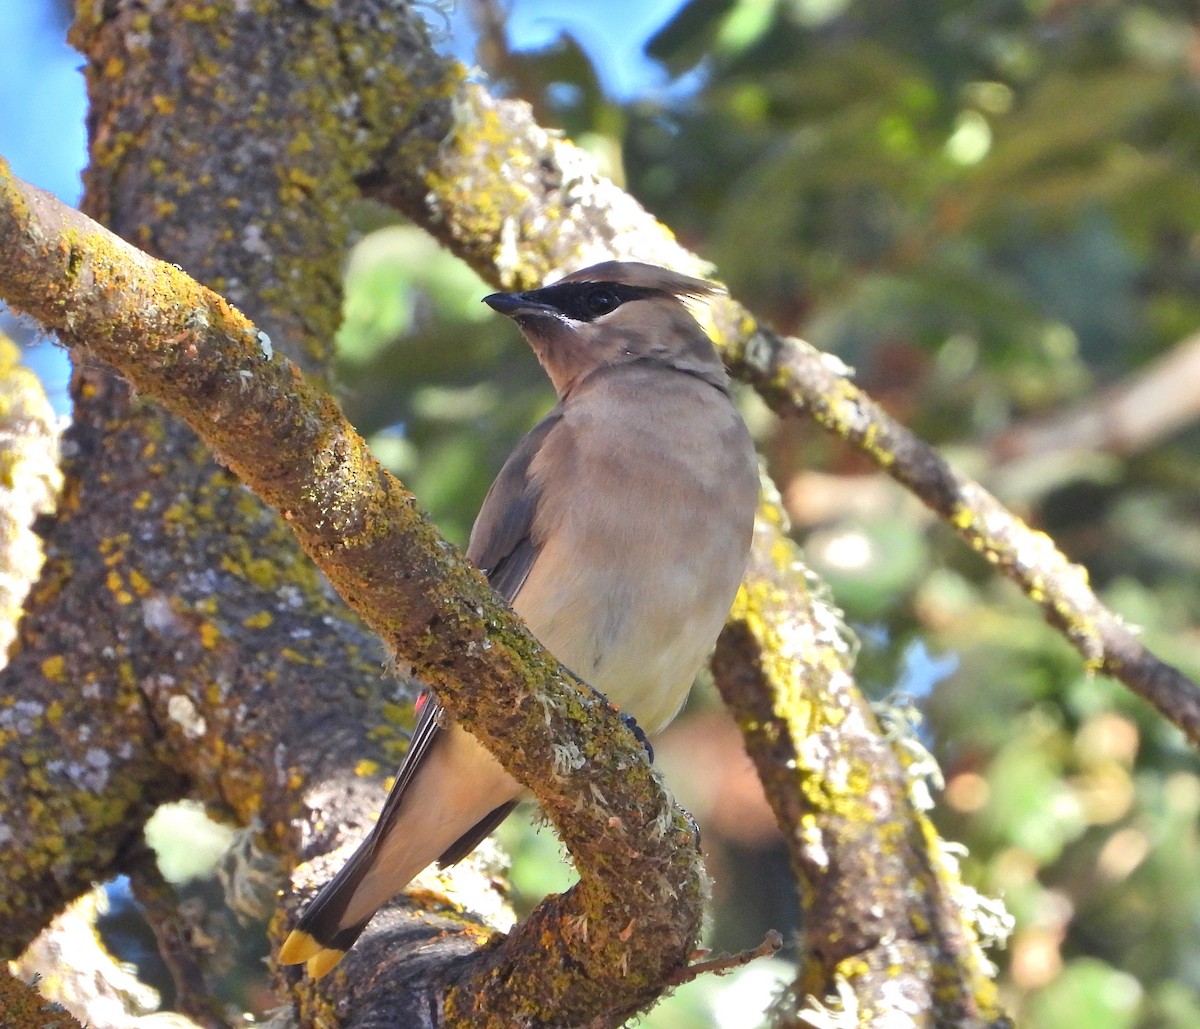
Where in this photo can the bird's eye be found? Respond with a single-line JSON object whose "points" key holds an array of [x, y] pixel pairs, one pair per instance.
{"points": [[602, 300]]}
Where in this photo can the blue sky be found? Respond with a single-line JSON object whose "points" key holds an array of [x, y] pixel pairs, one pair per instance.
{"points": [[42, 98], [613, 34]]}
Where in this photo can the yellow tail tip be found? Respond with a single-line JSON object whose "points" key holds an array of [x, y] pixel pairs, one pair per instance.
{"points": [[301, 948], [298, 947], [320, 964]]}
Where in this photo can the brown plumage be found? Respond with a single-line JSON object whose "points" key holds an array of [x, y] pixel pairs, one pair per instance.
{"points": [[618, 530]]}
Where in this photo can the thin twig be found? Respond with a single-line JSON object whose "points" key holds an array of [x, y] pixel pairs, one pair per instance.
{"points": [[726, 963]]}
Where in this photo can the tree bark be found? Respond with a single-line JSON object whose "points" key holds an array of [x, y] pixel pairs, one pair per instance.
{"points": [[178, 642], [886, 920]]}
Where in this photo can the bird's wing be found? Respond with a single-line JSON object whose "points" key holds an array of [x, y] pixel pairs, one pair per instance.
{"points": [[502, 543], [503, 547], [430, 716], [427, 729]]}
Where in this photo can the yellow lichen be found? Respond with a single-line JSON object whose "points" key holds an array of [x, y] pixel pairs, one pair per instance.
{"points": [[54, 668], [117, 587]]}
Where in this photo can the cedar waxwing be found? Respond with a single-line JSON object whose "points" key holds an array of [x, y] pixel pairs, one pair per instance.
{"points": [[618, 530]]}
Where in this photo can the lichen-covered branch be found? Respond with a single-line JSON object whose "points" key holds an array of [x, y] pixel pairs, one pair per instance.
{"points": [[24, 1007], [795, 377], [514, 201], [882, 911], [178, 642], [636, 912], [518, 203]]}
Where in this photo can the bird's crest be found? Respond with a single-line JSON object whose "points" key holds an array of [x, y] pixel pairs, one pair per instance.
{"points": [[646, 276]]}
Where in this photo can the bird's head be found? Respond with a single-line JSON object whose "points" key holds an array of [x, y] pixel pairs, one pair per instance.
{"points": [[612, 313]]}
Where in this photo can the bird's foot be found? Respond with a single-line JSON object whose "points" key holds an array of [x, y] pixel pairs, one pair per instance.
{"points": [[631, 724]]}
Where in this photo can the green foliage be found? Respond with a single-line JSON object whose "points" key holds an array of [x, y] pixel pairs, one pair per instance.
{"points": [[1089, 993], [440, 386]]}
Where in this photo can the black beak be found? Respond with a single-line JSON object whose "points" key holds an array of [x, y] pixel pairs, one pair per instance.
{"points": [[516, 304]]}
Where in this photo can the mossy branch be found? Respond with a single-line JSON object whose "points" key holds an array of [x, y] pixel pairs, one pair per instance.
{"points": [[635, 914], [25, 1008], [883, 911]]}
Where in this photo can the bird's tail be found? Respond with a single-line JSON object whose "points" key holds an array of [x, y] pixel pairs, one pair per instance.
{"points": [[320, 940], [330, 924], [449, 794]]}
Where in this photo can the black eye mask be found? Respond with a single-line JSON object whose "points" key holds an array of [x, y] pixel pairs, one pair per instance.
{"points": [[587, 301]]}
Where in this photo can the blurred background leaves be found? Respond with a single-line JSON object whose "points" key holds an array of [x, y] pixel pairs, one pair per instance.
{"points": [[991, 209]]}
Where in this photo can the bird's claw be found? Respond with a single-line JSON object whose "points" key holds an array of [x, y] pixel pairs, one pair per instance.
{"points": [[633, 727]]}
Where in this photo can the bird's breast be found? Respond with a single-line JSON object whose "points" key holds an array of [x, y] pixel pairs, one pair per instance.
{"points": [[643, 542]]}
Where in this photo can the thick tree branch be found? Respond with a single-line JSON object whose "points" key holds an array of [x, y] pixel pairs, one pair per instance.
{"points": [[635, 914], [179, 642], [883, 910]]}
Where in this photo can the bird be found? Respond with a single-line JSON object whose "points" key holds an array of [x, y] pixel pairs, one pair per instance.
{"points": [[619, 530]]}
